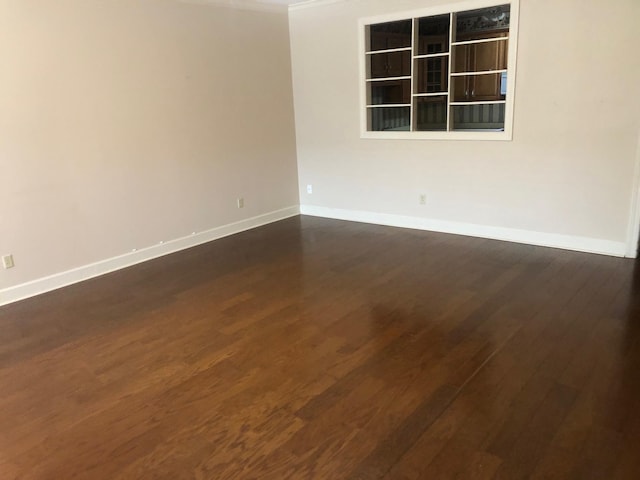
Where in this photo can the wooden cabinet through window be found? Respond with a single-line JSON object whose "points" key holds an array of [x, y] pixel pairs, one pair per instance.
{"points": [[479, 68]]}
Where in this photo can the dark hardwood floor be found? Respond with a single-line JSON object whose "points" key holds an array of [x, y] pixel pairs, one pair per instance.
{"points": [[320, 349]]}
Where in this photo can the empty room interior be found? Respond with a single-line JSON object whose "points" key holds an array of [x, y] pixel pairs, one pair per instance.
{"points": [[319, 239]]}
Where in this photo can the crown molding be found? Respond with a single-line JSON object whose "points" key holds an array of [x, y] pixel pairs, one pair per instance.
{"points": [[313, 3], [251, 5]]}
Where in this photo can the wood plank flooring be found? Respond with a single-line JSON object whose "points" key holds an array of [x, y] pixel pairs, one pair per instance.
{"points": [[320, 349]]}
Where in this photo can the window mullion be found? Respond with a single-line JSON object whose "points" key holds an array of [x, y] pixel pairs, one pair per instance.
{"points": [[414, 83], [452, 39]]}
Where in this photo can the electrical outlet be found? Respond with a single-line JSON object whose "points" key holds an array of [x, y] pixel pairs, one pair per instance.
{"points": [[309, 189], [240, 202], [7, 262], [423, 199]]}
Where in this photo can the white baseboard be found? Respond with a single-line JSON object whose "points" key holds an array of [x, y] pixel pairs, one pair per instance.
{"points": [[69, 277], [566, 242], [63, 279]]}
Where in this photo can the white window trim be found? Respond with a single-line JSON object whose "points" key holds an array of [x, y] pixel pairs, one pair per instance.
{"points": [[507, 134]]}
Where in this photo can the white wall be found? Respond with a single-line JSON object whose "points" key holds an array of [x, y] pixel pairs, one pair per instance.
{"points": [[565, 179], [124, 123]]}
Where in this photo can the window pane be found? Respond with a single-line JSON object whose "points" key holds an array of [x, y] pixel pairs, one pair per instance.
{"points": [[392, 91], [478, 117], [431, 113], [470, 88], [383, 36], [395, 64], [432, 74], [482, 23], [481, 56], [389, 119], [433, 34]]}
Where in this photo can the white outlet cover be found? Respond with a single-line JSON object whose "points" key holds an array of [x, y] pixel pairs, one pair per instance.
{"points": [[7, 261], [309, 188]]}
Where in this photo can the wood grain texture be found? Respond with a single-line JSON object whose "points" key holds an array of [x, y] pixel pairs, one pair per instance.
{"points": [[321, 349]]}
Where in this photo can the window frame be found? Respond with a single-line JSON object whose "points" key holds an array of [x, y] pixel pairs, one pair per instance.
{"points": [[413, 15]]}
